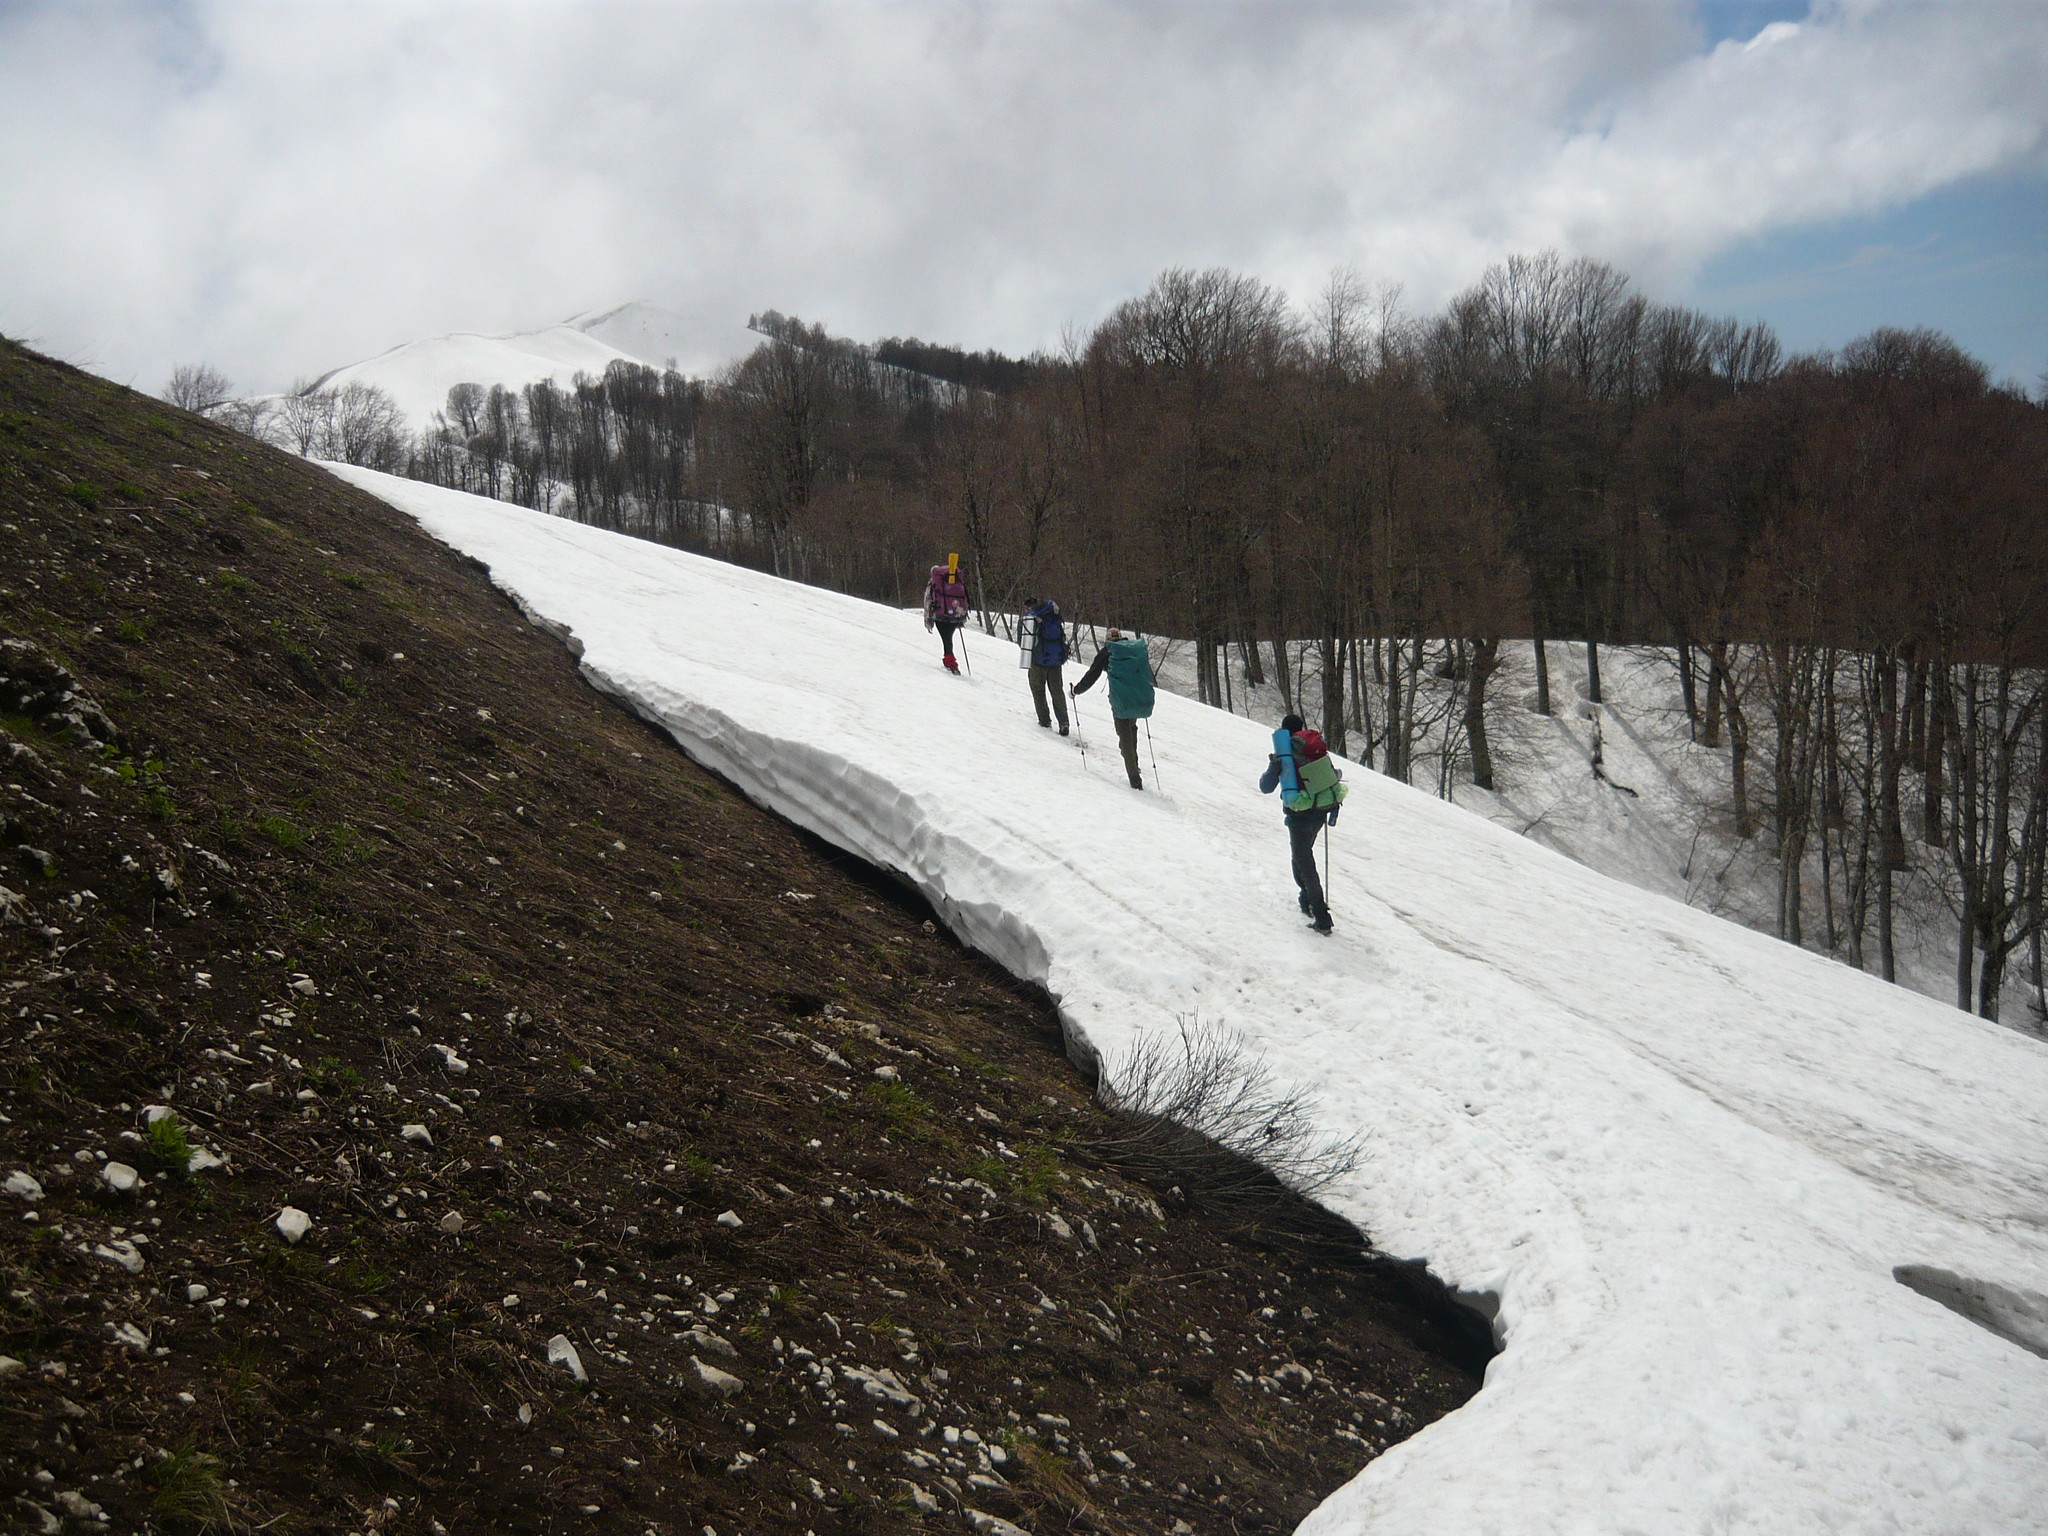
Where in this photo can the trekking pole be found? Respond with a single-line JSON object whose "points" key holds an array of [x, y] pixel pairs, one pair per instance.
{"points": [[1327, 866], [1080, 736], [962, 637], [1155, 758]]}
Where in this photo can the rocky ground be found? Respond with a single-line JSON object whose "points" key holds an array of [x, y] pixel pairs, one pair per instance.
{"points": [[429, 1102]]}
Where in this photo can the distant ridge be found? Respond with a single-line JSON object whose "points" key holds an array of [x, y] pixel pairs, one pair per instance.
{"points": [[418, 374]]}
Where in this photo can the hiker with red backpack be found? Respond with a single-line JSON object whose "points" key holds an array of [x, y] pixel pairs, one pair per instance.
{"points": [[946, 606], [1312, 792]]}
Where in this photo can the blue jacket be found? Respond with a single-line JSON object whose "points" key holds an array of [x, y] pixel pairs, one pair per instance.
{"points": [[1051, 650]]}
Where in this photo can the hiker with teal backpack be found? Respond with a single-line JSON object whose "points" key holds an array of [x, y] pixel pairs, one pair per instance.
{"points": [[1129, 665], [1312, 791]]}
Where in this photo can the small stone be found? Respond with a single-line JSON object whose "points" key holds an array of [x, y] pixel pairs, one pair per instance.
{"points": [[452, 1223], [711, 1344], [119, 1177], [293, 1223], [130, 1335], [1059, 1226], [151, 1113], [885, 1429], [418, 1133], [729, 1219], [201, 1160], [9, 1366], [992, 1525], [710, 1381], [925, 1503], [561, 1352], [451, 1061], [23, 1187], [79, 1507], [526, 1413], [739, 1463], [123, 1255], [511, 1302], [888, 1074], [305, 988], [262, 1090], [195, 1292]]}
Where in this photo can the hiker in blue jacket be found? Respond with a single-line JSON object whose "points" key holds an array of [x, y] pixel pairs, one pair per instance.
{"points": [[1312, 792], [1129, 665], [1046, 634]]}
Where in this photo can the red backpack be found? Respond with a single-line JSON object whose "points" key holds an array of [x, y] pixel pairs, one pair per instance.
{"points": [[1309, 745]]}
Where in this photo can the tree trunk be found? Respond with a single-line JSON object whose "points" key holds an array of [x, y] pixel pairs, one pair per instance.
{"points": [[1717, 693], [1542, 674], [1485, 662], [1689, 690], [1284, 675], [1333, 692], [1593, 672]]}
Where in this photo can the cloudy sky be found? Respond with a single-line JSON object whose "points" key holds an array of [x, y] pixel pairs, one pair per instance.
{"points": [[284, 186]]}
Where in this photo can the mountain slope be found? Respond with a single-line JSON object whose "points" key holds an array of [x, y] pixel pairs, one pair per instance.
{"points": [[419, 374], [347, 867], [1763, 1231]]}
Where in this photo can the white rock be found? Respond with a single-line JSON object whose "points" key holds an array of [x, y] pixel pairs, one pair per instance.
{"points": [[125, 1255], [511, 1302], [129, 1334], [739, 1463], [23, 1187], [201, 1160], [710, 1381], [293, 1223], [889, 1074], [885, 1429], [9, 1366], [305, 988], [262, 1090], [1059, 1226], [79, 1507], [119, 1177], [526, 1413], [195, 1292], [926, 1504], [729, 1219], [452, 1223], [451, 1061], [561, 1352], [418, 1133], [151, 1113], [992, 1525], [711, 1344]]}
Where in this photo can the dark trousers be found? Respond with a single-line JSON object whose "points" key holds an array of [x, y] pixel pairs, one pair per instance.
{"points": [[947, 629], [1127, 743], [1303, 828], [1044, 680]]}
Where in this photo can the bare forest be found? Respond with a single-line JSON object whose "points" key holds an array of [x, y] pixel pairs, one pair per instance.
{"points": [[1353, 508]]}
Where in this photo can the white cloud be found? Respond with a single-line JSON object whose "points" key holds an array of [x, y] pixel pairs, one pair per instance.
{"points": [[280, 188]]}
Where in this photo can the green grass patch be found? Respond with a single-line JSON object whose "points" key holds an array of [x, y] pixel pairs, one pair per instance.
{"points": [[907, 1114], [168, 1143], [282, 831], [191, 1493], [234, 581]]}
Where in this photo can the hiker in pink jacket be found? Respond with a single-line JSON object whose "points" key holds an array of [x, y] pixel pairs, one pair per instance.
{"points": [[946, 606]]}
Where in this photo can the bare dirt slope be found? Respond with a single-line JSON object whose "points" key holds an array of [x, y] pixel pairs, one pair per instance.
{"points": [[550, 1036]]}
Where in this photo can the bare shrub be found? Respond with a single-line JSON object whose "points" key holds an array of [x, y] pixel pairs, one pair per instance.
{"points": [[1198, 1112]]}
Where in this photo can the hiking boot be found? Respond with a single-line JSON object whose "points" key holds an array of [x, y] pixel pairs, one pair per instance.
{"points": [[951, 664], [1045, 725], [1063, 730], [1322, 923]]}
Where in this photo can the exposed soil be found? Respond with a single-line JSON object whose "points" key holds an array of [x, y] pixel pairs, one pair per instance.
{"points": [[549, 1032]]}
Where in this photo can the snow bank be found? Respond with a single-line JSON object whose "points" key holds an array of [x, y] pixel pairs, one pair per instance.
{"points": [[1686, 1158]]}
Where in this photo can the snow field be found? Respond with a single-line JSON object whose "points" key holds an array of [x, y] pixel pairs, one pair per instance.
{"points": [[1685, 1157]]}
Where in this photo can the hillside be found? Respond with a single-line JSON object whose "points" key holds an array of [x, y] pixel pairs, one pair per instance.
{"points": [[1765, 1235], [547, 1032], [417, 375]]}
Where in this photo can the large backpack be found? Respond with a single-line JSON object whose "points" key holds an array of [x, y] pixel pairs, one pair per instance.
{"points": [[1130, 678], [1309, 779]]}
